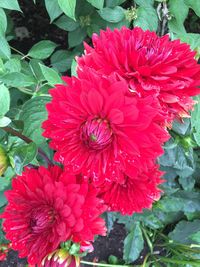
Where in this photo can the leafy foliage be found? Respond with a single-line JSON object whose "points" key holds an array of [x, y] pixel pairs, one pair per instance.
{"points": [[25, 80]]}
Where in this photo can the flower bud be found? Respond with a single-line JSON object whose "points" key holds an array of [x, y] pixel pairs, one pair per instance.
{"points": [[131, 14], [4, 162], [60, 258]]}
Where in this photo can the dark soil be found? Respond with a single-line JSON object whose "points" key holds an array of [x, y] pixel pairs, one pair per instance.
{"points": [[109, 245], [13, 260], [33, 25]]}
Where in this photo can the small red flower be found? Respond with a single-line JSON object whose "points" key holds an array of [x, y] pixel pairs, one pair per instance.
{"points": [[47, 207], [150, 64], [134, 194], [96, 129]]}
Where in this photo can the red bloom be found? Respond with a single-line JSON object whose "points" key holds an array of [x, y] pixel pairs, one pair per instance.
{"points": [[134, 194], [150, 64], [60, 258], [47, 207], [97, 130]]}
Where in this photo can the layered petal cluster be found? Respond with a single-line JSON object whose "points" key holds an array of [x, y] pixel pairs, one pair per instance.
{"points": [[99, 130], [135, 193], [60, 258], [47, 207], [150, 65]]}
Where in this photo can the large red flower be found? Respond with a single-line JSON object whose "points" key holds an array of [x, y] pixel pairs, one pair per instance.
{"points": [[150, 64], [48, 206], [135, 193], [97, 130]]}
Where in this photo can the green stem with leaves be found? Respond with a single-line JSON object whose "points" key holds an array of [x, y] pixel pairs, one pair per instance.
{"points": [[28, 141]]}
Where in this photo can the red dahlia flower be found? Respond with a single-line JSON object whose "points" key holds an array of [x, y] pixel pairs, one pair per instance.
{"points": [[150, 64], [60, 258], [48, 206], [98, 130], [133, 194]]}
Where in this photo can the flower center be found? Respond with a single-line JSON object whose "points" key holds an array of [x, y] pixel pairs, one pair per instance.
{"points": [[96, 134], [41, 219]]}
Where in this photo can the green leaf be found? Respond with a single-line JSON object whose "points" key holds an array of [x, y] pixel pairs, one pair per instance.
{"points": [[50, 75], [195, 114], [180, 201], [33, 114], [83, 8], [4, 100], [177, 159], [66, 24], [149, 218], [113, 15], [3, 199], [13, 65], [53, 9], [3, 22], [76, 37], [2, 68], [68, 7], [133, 244], [110, 218], [194, 4], [10, 4], [113, 3], [184, 231], [187, 183], [179, 11], [62, 60], [5, 52], [73, 68], [23, 155], [193, 39], [144, 2], [181, 127], [4, 121], [195, 237], [36, 70], [4, 181], [17, 79], [42, 50], [147, 18], [96, 3]]}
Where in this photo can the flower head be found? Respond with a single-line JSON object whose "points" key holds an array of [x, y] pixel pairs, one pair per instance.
{"points": [[150, 64], [60, 258], [96, 129], [47, 207], [133, 194]]}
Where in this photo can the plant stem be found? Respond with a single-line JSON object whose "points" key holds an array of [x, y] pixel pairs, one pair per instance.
{"points": [[23, 56], [18, 134], [164, 22], [44, 156], [148, 240], [24, 90], [145, 260], [104, 264], [197, 263], [28, 141]]}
